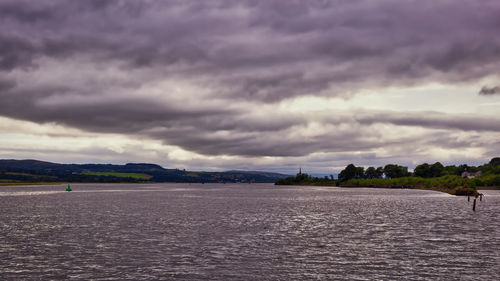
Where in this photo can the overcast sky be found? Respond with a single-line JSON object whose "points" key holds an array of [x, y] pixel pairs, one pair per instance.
{"points": [[255, 85]]}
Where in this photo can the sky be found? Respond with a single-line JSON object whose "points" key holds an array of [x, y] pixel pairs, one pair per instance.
{"points": [[252, 85]]}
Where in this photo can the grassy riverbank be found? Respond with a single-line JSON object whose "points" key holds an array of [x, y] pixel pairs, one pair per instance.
{"points": [[451, 184]]}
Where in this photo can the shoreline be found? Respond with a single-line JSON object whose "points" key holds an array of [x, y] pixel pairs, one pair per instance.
{"points": [[456, 192]]}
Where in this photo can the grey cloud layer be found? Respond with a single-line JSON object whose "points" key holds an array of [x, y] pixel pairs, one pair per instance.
{"points": [[246, 54], [265, 50]]}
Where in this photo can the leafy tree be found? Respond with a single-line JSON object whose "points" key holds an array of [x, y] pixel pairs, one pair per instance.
{"points": [[372, 173], [422, 170], [395, 171], [462, 168], [493, 167], [348, 173], [466, 168], [305, 179], [360, 173], [451, 170], [495, 161], [429, 171], [436, 169], [302, 177], [495, 170]]}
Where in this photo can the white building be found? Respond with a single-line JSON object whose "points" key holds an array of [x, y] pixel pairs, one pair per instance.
{"points": [[470, 175]]}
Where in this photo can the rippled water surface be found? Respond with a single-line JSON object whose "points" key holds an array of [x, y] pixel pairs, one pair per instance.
{"points": [[245, 232]]}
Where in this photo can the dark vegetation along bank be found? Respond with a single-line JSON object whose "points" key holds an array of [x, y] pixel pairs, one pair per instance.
{"points": [[457, 180], [33, 171]]}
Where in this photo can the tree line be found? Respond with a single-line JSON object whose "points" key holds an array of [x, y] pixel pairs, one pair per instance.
{"points": [[425, 170]]}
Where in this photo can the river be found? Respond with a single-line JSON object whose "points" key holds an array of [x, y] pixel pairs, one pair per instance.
{"points": [[245, 232]]}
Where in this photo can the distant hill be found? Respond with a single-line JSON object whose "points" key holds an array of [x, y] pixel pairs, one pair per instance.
{"points": [[19, 171]]}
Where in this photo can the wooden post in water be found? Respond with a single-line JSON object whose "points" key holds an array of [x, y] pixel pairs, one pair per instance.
{"points": [[481, 197], [474, 205], [468, 198]]}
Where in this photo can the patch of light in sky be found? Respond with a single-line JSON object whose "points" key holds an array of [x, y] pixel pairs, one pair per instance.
{"points": [[435, 97]]}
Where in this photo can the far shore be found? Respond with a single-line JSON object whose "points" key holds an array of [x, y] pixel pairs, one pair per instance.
{"points": [[70, 182]]}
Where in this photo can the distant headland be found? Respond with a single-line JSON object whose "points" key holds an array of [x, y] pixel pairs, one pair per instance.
{"points": [[35, 171]]}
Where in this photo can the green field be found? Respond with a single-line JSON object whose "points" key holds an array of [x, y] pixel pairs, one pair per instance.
{"points": [[120, 175]]}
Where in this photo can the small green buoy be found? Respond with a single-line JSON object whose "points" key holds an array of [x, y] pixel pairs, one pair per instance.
{"points": [[69, 188]]}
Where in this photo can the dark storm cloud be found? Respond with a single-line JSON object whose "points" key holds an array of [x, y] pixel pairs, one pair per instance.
{"points": [[15, 53], [485, 91], [23, 12], [324, 43], [246, 54], [6, 85]]}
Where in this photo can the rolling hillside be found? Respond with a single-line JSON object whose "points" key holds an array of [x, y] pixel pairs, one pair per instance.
{"points": [[19, 171]]}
